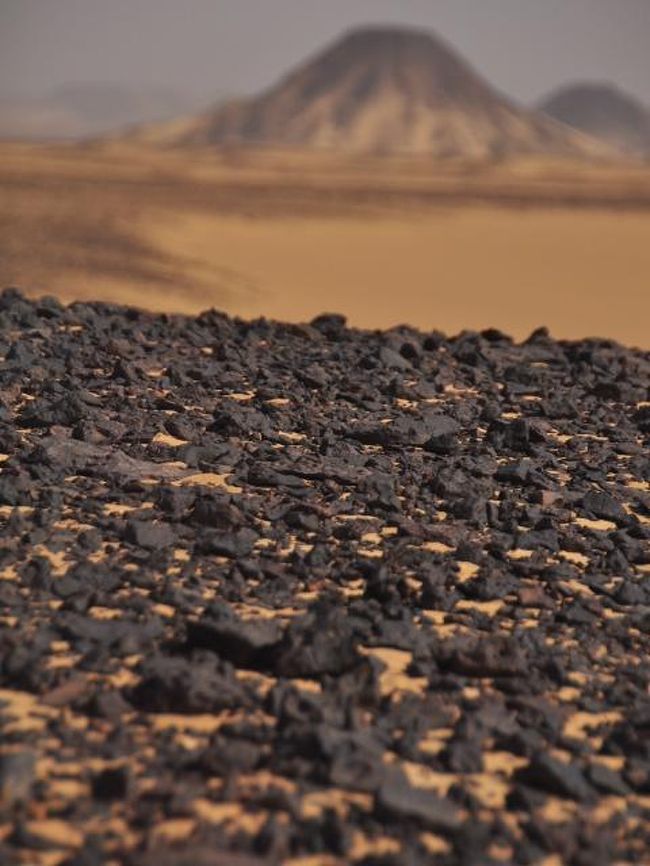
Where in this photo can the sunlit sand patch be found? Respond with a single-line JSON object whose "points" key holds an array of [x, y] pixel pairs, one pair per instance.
{"points": [[7, 510], [73, 525], [313, 805], [263, 780], [62, 662], [57, 833], [436, 547], [505, 763], [577, 725], [413, 583], [575, 587], [608, 613], [208, 479], [261, 682], [68, 789], [353, 588], [557, 811], [435, 616], [118, 509], [460, 391], [371, 538], [595, 525], [371, 554], [561, 438], [501, 853], [57, 559], [435, 741], [421, 776], [440, 627], [9, 573], [164, 610], [434, 844], [489, 608], [368, 517], [608, 808], [394, 678], [104, 613], [291, 436], [633, 484], [490, 790], [168, 440], [248, 611], [232, 815], [568, 694], [205, 723], [519, 553], [466, 570], [172, 830], [574, 557], [379, 846], [25, 711]]}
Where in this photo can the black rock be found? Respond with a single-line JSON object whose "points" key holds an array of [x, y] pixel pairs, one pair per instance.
{"points": [[17, 776], [247, 643], [605, 507], [398, 800], [111, 784], [556, 777]]}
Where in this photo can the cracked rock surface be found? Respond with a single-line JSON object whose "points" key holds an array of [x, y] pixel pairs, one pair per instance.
{"points": [[309, 596]]}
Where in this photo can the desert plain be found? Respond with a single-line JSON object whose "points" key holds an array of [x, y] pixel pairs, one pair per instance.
{"points": [[286, 235]]}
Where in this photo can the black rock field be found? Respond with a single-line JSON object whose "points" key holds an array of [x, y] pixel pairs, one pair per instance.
{"points": [[305, 595]]}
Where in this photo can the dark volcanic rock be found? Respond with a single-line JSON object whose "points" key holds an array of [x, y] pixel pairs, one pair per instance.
{"points": [[556, 777], [397, 800], [289, 593]]}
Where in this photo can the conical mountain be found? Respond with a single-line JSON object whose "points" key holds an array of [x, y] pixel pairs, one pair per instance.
{"points": [[604, 112], [387, 90]]}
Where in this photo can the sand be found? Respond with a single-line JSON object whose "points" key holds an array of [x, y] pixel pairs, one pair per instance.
{"points": [[289, 235]]}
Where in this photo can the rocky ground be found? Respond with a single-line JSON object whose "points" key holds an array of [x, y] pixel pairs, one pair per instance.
{"points": [[279, 594]]}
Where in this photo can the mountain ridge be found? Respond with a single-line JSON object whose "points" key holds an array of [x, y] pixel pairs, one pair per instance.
{"points": [[385, 90], [604, 111]]}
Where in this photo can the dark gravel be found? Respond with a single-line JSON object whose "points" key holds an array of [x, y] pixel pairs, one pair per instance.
{"points": [[309, 595]]}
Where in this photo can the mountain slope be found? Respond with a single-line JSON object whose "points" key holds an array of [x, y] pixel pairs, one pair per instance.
{"points": [[604, 112], [386, 90]]}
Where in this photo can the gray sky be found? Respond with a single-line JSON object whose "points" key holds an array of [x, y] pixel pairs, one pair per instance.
{"points": [[208, 48]]}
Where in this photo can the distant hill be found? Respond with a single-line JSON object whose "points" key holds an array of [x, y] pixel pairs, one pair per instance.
{"points": [[604, 112], [385, 90], [79, 110]]}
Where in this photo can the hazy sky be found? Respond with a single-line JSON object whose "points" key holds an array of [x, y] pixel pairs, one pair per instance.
{"points": [[207, 48]]}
